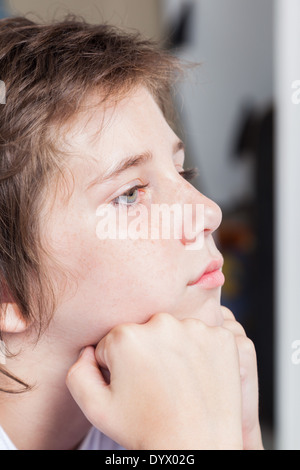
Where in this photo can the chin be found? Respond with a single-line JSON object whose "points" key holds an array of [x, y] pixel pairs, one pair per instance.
{"points": [[204, 305]]}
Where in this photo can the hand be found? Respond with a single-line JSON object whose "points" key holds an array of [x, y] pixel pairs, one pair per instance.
{"points": [[174, 384], [248, 369]]}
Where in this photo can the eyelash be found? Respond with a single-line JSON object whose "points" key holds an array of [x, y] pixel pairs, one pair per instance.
{"points": [[187, 174]]}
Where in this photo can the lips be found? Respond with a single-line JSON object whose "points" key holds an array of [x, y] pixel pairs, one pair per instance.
{"points": [[211, 275]]}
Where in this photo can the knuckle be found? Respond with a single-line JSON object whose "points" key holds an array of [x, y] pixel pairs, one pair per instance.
{"points": [[194, 326], [227, 313], [235, 327], [225, 337], [120, 341], [246, 345], [191, 322], [162, 319], [240, 330], [120, 335]]}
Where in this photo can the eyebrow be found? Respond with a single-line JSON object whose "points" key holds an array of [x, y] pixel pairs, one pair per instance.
{"points": [[129, 162]]}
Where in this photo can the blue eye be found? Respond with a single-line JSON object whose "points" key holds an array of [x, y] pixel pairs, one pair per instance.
{"points": [[129, 198]]}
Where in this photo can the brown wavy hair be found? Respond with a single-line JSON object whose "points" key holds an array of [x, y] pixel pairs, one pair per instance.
{"points": [[48, 71]]}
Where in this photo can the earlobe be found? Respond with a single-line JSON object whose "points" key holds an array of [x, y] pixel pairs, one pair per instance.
{"points": [[11, 320]]}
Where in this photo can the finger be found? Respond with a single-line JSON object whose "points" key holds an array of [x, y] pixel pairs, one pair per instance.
{"points": [[235, 327], [102, 351], [248, 358], [88, 386], [228, 315], [117, 343], [245, 347]]}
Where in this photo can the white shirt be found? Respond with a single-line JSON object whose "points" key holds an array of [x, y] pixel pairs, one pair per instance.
{"points": [[94, 440]]}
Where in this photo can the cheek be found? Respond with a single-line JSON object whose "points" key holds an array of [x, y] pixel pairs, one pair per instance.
{"points": [[120, 281], [134, 271]]}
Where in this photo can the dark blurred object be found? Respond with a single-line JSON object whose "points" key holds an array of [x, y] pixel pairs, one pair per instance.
{"points": [[251, 263], [180, 29], [236, 237]]}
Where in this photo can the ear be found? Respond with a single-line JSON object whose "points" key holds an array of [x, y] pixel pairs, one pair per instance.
{"points": [[11, 320]]}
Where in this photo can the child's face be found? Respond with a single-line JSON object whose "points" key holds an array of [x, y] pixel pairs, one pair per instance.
{"points": [[128, 280]]}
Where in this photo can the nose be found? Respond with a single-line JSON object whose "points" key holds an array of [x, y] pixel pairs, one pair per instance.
{"points": [[201, 217]]}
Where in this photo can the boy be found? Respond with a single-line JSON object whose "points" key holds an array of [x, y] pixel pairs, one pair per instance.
{"points": [[162, 364]]}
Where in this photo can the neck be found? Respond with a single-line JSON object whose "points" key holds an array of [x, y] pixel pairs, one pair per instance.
{"points": [[45, 417]]}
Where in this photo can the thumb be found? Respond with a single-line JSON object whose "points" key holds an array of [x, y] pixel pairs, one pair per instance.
{"points": [[89, 388]]}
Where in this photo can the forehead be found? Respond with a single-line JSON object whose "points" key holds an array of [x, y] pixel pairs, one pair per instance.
{"points": [[103, 133], [98, 121]]}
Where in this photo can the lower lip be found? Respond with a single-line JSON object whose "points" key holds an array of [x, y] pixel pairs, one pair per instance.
{"points": [[211, 280]]}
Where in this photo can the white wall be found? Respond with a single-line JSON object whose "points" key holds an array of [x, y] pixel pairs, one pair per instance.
{"points": [[233, 40], [140, 14], [287, 71]]}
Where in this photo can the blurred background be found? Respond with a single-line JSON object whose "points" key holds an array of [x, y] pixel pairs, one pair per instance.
{"points": [[240, 119]]}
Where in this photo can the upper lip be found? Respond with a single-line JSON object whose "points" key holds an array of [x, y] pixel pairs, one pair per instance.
{"points": [[213, 265]]}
